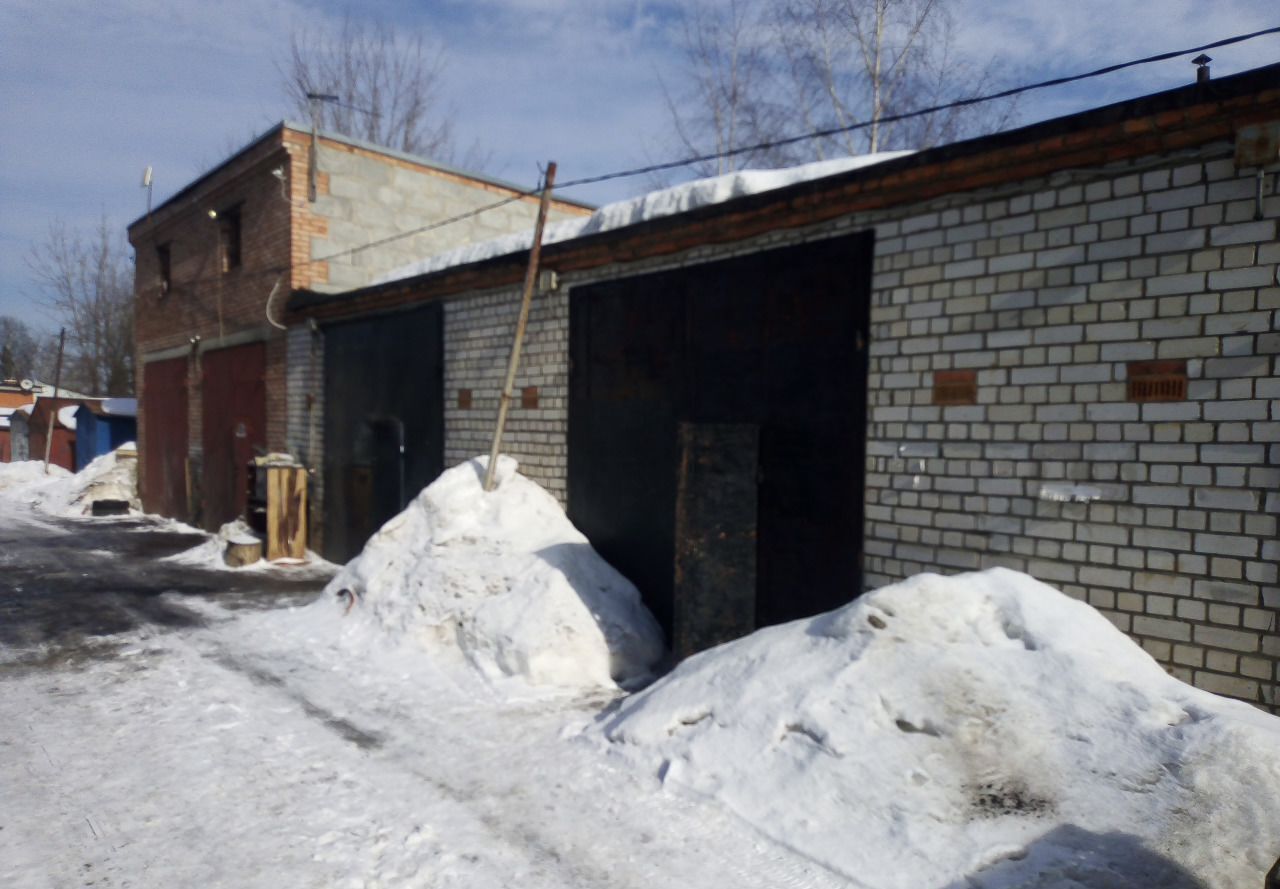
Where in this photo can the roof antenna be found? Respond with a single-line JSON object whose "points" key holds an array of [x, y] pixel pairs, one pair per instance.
{"points": [[1202, 67], [146, 183]]}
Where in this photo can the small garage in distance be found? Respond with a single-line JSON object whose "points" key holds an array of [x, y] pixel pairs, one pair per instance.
{"points": [[102, 426], [383, 421], [727, 399]]}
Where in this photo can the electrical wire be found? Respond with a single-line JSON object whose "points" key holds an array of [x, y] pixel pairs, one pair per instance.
{"points": [[894, 118], [759, 146]]}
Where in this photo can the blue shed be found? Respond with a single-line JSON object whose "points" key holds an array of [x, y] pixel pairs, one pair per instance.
{"points": [[102, 426]]}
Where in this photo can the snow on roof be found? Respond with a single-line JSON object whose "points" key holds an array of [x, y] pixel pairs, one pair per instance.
{"points": [[981, 729], [503, 578], [47, 390], [656, 204], [120, 407], [113, 407], [67, 416]]}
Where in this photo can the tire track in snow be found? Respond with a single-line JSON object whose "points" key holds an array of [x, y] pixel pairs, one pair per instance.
{"points": [[597, 826]]}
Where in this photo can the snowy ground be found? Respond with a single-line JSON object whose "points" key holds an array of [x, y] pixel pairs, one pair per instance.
{"points": [[227, 750], [980, 731]]}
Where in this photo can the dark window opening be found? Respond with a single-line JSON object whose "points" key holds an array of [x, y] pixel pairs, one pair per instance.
{"points": [[165, 269], [229, 238]]}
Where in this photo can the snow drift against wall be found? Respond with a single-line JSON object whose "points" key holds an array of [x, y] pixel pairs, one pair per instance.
{"points": [[504, 578], [981, 726]]}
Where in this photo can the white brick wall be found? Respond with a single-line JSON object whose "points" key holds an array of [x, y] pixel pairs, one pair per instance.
{"points": [[1049, 304], [1045, 289], [478, 336]]}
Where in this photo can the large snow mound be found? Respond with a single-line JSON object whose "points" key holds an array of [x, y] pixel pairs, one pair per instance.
{"points": [[976, 730], [111, 476], [504, 578], [653, 205]]}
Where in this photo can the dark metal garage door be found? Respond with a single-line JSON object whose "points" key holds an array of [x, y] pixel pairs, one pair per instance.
{"points": [[383, 421], [661, 363], [164, 447]]}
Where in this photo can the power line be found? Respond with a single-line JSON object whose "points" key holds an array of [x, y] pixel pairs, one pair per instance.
{"points": [[776, 143], [894, 118]]}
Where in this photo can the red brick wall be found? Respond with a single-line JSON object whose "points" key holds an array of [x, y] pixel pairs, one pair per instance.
{"points": [[205, 301]]}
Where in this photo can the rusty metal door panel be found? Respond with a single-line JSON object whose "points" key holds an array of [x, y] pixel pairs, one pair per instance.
{"points": [[716, 510], [234, 401], [774, 339], [164, 447], [383, 421]]}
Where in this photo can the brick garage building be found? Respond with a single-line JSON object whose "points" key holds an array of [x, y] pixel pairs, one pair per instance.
{"points": [[1070, 363], [215, 264]]}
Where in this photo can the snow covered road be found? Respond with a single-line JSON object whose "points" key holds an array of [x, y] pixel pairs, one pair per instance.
{"points": [[215, 751]]}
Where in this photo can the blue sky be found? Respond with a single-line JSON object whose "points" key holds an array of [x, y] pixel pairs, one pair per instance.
{"points": [[94, 92]]}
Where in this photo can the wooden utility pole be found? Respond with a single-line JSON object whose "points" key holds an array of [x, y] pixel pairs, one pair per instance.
{"points": [[530, 281], [53, 411]]}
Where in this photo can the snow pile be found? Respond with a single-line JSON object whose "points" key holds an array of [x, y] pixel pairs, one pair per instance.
{"points": [[112, 476], [655, 204], [978, 730], [210, 554], [22, 474], [505, 579]]}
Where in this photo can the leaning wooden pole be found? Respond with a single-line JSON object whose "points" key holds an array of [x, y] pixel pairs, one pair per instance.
{"points": [[530, 281], [53, 411]]}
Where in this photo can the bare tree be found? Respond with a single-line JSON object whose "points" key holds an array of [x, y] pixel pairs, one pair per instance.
{"points": [[852, 62], [387, 85], [21, 349], [86, 284], [830, 64], [727, 101]]}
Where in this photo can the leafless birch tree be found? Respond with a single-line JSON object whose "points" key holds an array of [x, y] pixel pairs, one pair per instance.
{"points": [[829, 64], [727, 98]]}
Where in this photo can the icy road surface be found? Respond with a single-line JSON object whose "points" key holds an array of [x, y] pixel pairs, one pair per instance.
{"points": [[156, 732]]}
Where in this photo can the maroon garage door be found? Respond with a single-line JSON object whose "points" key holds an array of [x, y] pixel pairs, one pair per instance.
{"points": [[164, 443], [234, 395]]}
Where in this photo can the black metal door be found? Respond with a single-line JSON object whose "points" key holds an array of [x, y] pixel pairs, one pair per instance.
{"points": [[383, 421], [775, 339]]}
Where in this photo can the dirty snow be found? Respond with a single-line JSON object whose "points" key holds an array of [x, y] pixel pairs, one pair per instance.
{"points": [[981, 727], [210, 554], [653, 205], [503, 579], [112, 476]]}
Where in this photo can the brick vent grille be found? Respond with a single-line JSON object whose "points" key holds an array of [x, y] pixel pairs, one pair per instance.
{"points": [[1157, 381], [955, 387]]}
